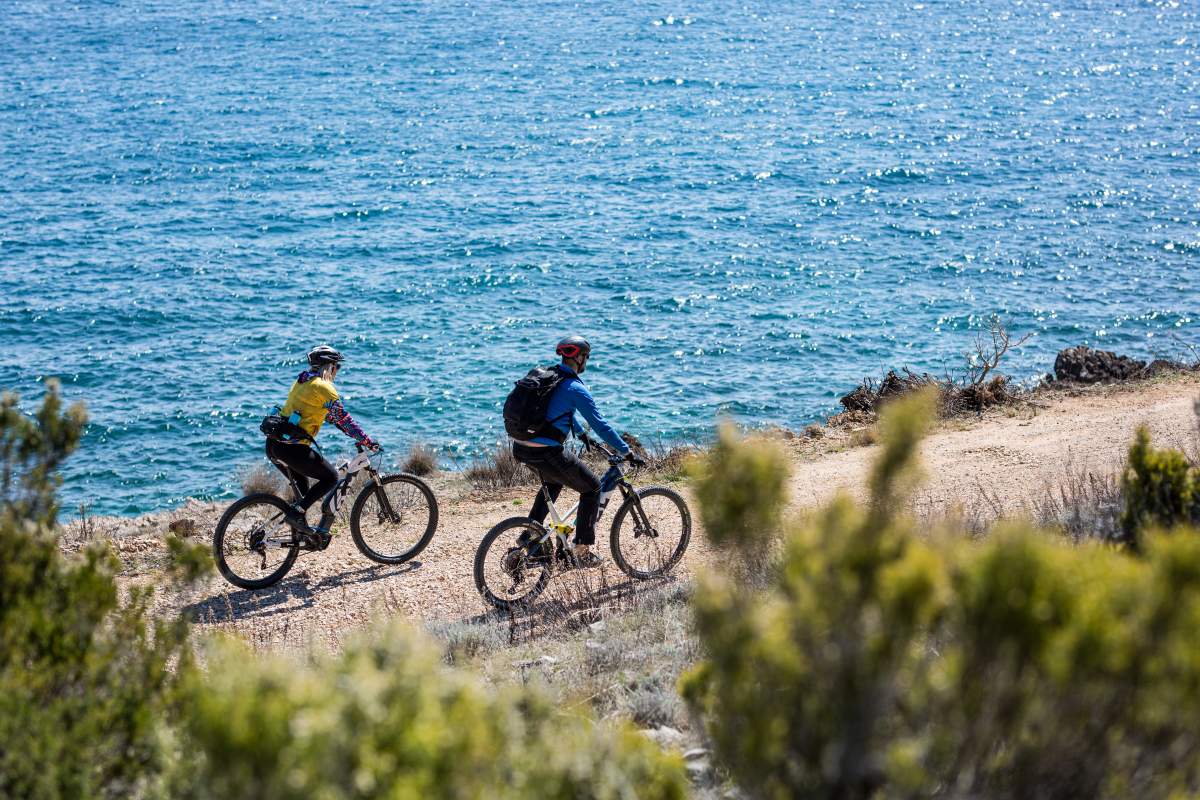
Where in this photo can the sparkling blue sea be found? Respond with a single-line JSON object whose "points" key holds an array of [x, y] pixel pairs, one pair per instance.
{"points": [[745, 206]]}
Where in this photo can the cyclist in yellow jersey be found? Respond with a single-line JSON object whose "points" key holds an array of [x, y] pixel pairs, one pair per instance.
{"points": [[313, 401]]}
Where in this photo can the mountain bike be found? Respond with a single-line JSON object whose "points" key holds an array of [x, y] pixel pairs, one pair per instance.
{"points": [[392, 520], [650, 532]]}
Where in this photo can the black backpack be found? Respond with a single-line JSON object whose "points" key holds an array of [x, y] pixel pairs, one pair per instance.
{"points": [[527, 404]]}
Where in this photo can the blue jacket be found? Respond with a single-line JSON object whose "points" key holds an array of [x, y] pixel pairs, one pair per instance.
{"points": [[571, 396]]}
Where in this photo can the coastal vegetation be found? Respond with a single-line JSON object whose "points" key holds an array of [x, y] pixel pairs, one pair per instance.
{"points": [[880, 660], [855, 650], [421, 460], [859, 651], [99, 699], [979, 385]]}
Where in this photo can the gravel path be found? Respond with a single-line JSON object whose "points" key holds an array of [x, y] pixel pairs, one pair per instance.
{"points": [[1013, 455]]}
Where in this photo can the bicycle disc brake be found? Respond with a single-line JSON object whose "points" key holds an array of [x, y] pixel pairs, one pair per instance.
{"points": [[254, 543], [395, 518], [642, 526]]}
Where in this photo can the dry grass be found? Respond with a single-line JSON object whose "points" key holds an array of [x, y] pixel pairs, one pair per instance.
{"points": [[499, 470], [665, 460], [1081, 504], [981, 385], [465, 640], [864, 437], [86, 530], [1084, 505], [669, 462], [422, 460], [622, 663], [262, 477]]}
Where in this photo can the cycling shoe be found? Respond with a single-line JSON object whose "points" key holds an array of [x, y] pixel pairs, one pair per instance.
{"points": [[571, 561]]}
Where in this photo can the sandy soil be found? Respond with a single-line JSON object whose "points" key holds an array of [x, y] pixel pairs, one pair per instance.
{"points": [[1012, 454]]}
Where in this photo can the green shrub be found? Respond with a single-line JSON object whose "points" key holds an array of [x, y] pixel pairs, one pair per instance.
{"points": [[1161, 489], [744, 488], [30, 452], [96, 700], [84, 678], [389, 718], [188, 562], [883, 663]]}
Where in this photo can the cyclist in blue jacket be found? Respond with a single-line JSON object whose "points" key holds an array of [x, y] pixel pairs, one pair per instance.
{"points": [[558, 466]]}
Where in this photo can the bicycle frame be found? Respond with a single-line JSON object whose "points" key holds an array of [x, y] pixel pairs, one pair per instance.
{"points": [[612, 480], [333, 498]]}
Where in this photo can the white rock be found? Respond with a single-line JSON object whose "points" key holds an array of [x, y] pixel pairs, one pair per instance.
{"points": [[664, 736]]}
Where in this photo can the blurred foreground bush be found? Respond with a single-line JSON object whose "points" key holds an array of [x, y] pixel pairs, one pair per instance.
{"points": [[84, 679], [1160, 488], [885, 662], [96, 700], [388, 718]]}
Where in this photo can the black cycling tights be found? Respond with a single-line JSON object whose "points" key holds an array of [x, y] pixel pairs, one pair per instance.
{"points": [[557, 468], [304, 462]]}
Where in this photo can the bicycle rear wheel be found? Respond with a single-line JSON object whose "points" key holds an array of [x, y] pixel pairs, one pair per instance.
{"points": [[393, 522], [253, 545], [508, 571], [651, 532]]}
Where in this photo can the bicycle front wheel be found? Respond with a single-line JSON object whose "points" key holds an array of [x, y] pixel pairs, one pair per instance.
{"points": [[253, 545], [511, 568], [651, 532], [393, 521]]}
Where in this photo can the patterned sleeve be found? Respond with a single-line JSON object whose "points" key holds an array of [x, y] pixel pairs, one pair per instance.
{"points": [[345, 423]]}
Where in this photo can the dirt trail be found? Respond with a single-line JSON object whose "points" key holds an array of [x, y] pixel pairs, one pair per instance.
{"points": [[331, 594], [1014, 458]]}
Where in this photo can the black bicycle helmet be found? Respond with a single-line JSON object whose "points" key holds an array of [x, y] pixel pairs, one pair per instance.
{"points": [[573, 347], [324, 354]]}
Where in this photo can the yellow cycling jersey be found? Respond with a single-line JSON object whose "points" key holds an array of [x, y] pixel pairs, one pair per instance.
{"points": [[312, 399]]}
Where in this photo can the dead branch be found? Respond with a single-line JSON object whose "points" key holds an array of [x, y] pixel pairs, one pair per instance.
{"points": [[990, 349]]}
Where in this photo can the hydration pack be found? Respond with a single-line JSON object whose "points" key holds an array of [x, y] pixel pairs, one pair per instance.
{"points": [[527, 404], [282, 429]]}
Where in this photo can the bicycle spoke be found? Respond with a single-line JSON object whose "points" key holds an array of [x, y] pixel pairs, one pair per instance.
{"points": [[249, 545], [392, 522], [511, 568], [652, 533]]}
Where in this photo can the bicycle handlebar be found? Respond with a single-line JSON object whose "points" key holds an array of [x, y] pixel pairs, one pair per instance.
{"points": [[613, 458]]}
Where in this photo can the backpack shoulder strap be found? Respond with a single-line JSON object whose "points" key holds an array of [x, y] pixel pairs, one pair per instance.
{"points": [[563, 379]]}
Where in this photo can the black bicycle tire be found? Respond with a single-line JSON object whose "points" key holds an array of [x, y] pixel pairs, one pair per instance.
{"points": [[481, 557], [219, 537], [415, 550], [684, 540]]}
